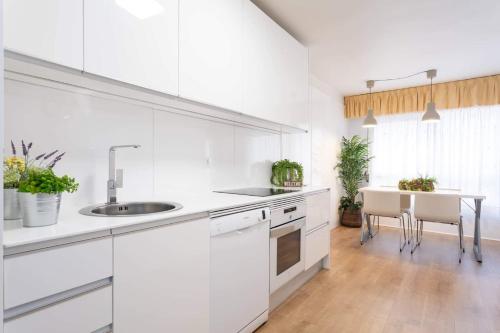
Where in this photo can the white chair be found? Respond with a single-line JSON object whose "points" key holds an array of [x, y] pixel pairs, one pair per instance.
{"points": [[438, 208], [387, 204]]}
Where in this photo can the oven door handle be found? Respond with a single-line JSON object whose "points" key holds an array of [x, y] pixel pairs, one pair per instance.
{"points": [[287, 228]]}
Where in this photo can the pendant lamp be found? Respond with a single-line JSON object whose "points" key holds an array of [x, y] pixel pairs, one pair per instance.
{"points": [[431, 115], [370, 120]]}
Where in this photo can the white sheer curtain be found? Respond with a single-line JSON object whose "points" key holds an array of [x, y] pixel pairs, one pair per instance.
{"points": [[462, 151]]}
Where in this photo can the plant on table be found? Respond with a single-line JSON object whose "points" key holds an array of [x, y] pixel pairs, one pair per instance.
{"points": [[353, 163], [424, 184]]}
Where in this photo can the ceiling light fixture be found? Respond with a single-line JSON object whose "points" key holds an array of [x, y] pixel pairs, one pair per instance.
{"points": [[142, 9], [370, 120], [431, 115]]}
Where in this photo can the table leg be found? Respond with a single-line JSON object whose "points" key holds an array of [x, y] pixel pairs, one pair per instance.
{"points": [[365, 219], [477, 231]]}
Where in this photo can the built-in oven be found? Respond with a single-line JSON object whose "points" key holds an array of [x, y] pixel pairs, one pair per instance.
{"points": [[287, 240]]}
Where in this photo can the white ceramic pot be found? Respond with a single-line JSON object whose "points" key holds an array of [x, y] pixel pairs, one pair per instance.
{"points": [[40, 209], [11, 204]]}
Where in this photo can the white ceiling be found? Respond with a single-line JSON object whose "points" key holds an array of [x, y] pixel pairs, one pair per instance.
{"points": [[352, 41]]}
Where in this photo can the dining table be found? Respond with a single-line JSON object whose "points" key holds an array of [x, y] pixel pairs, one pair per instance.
{"points": [[462, 195]]}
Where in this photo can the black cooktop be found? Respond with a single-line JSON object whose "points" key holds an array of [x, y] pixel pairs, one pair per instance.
{"points": [[259, 191]]}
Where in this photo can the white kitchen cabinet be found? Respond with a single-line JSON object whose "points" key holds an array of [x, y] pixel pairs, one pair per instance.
{"points": [[161, 279], [210, 52], [275, 71], [317, 227], [51, 30], [133, 41], [35, 275], [318, 210], [84, 313], [317, 245]]}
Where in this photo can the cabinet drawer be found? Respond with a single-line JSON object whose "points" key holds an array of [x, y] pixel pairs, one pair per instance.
{"points": [[35, 275], [318, 210], [82, 314], [317, 245]]}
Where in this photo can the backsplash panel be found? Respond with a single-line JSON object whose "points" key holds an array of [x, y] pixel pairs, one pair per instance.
{"points": [[178, 153]]}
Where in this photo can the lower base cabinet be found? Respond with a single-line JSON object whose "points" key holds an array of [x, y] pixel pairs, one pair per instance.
{"points": [[161, 279], [317, 245], [84, 313]]}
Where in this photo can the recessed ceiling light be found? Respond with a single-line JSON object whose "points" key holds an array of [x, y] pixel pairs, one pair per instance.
{"points": [[142, 9]]}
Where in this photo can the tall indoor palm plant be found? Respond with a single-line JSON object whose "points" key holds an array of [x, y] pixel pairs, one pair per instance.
{"points": [[352, 166]]}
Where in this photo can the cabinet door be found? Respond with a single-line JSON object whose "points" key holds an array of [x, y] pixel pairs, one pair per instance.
{"points": [[34, 275], [134, 42], [260, 64], [318, 210], [210, 52], [317, 245], [161, 279], [294, 80], [88, 312], [275, 71], [51, 30]]}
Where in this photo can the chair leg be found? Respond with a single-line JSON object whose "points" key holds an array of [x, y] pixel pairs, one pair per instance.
{"points": [[402, 233], [415, 238], [362, 237], [375, 218], [410, 229], [421, 232], [461, 240]]}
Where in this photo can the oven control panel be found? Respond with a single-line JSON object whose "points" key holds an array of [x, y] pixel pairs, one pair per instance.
{"points": [[287, 213]]}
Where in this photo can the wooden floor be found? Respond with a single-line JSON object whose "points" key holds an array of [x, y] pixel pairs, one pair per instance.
{"points": [[374, 288]]}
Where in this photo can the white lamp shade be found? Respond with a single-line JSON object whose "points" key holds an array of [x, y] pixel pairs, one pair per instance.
{"points": [[431, 115], [370, 120]]}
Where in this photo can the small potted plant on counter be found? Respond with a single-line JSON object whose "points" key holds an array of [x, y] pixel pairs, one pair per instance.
{"points": [[40, 189], [287, 173], [13, 167], [352, 166]]}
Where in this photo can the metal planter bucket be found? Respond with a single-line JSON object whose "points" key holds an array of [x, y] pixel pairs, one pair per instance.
{"points": [[40, 209], [11, 204]]}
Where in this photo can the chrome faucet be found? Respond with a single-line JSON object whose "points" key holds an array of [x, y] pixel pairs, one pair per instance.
{"points": [[115, 175]]}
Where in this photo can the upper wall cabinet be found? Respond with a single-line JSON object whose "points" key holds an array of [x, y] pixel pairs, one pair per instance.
{"points": [[133, 41], [210, 52], [51, 30], [275, 71]]}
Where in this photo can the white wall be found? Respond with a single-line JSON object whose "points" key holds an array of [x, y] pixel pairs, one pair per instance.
{"points": [[327, 128]]}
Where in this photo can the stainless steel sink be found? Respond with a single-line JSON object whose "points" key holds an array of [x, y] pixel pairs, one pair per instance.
{"points": [[130, 208]]}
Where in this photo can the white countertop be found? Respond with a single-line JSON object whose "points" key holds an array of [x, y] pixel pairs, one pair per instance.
{"points": [[76, 224]]}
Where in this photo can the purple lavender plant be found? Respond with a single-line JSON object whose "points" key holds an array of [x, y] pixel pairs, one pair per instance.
{"points": [[13, 148], [55, 160], [43, 160]]}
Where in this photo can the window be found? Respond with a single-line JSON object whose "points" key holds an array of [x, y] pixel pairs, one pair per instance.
{"points": [[462, 151]]}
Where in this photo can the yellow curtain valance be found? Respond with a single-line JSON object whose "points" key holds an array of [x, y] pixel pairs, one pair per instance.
{"points": [[447, 95]]}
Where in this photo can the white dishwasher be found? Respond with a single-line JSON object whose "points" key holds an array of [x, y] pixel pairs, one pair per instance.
{"points": [[239, 271]]}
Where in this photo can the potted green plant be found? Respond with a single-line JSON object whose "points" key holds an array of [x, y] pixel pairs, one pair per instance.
{"points": [[40, 189], [424, 184], [287, 173], [13, 167], [352, 166]]}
